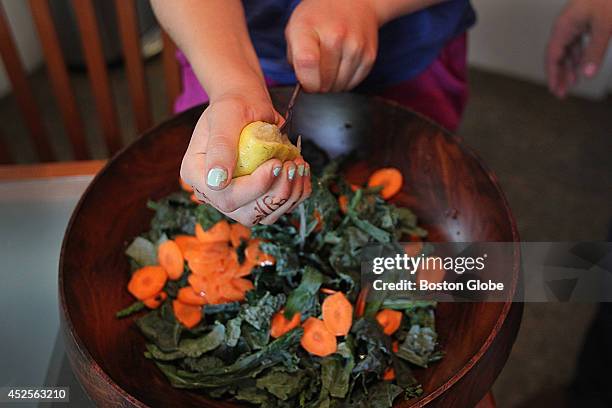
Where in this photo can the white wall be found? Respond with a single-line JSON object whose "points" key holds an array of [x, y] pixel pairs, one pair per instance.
{"points": [[511, 36], [26, 39]]}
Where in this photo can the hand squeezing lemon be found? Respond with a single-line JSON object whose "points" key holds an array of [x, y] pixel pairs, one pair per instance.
{"points": [[260, 142]]}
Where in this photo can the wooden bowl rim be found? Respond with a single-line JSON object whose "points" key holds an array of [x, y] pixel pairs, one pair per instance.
{"points": [[446, 133]]}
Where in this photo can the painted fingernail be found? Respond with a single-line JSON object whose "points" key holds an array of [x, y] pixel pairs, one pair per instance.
{"points": [[276, 171], [291, 172], [216, 177], [301, 170], [590, 69], [307, 171]]}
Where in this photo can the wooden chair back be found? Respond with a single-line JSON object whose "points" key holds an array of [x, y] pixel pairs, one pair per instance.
{"points": [[106, 110]]}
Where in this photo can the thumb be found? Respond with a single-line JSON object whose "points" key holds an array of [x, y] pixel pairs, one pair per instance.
{"points": [[225, 126], [595, 51]]}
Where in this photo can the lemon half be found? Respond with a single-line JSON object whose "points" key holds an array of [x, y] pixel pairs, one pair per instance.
{"points": [[260, 142]]}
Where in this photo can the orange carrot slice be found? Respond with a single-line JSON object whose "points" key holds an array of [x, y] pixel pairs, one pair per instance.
{"points": [[390, 320], [360, 304], [244, 285], [317, 216], [220, 232], [188, 315], [243, 270], [170, 257], [155, 301], [186, 187], [389, 374], [389, 178], [337, 314], [186, 242], [238, 233], [281, 325], [317, 339], [395, 346], [343, 203], [147, 282], [256, 256], [190, 297]]}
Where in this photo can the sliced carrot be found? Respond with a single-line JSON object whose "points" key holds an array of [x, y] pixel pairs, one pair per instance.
{"points": [[413, 248], [170, 257], [206, 267], [360, 304], [220, 232], [389, 374], [337, 314], [242, 284], [243, 270], [207, 252], [395, 346], [343, 203], [317, 216], [328, 291], [256, 256], [390, 320], [389, 178], [317, 339], [281, 325], [190, 297], [355, 187], [188, 315], [208, 287], [229, 293], [238, 233], [186, 242], [186, 187], [147, 282], [155, 301]]}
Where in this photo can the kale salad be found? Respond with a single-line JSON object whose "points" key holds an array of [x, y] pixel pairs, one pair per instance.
{"points": [[276, 315]]}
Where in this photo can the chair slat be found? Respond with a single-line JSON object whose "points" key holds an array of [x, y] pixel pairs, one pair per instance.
{"points": [[171, 71], [60, 81], [23, 92], [98, 74], [128, 30]]}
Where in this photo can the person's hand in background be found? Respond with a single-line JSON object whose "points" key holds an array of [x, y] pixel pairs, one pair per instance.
{"points": [[273, 189], [332, 45], [569, 56]]}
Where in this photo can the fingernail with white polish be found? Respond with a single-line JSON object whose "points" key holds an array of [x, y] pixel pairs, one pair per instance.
{"points": [[291, 172], [307, 171], [216, 177], [301, 170], [276, 171]]}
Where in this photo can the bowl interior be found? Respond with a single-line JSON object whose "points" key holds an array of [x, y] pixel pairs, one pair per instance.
{"points": [[439, 175]]}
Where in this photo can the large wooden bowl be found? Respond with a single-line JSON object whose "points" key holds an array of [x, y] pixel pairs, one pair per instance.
{"points": [[441, 175]]}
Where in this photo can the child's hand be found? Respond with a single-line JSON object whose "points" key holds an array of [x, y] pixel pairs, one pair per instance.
{"points": [[332, 45], [567, 56], [262, 197]]}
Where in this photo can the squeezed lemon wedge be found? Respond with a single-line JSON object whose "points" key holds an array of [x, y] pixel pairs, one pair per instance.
{"points": [[259, 142]]}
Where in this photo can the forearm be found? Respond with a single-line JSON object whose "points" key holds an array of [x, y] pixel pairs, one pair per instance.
{"points": [[214, 37], [388, 10]]}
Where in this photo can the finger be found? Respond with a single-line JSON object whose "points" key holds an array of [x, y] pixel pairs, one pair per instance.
{"points": [[563, 34], [331, 55], [348, 65], [306, 190], [305, 56], [245, 189], [224, 127], [365, 66], [277, 196], [595, 50], [296, 194]]}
